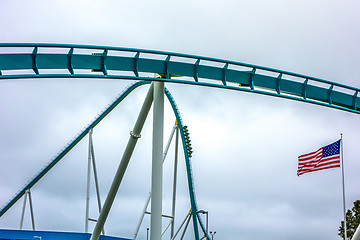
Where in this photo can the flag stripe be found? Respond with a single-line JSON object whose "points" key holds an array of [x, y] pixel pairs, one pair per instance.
{"points": [[310, 155], [321, 165], [313, 170], [324, 158]]}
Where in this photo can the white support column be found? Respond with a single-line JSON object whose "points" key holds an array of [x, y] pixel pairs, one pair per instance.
{"points": [[23, 211], [157, 166], [91, 161], [185, 228], [169, 142], [149, 196], [174, 182], [96, 178], [134, 135], [88, 185], [142, 215], [27, 193], [31, 210], [186, 219]]}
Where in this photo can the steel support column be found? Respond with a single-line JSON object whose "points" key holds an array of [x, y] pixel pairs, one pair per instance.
{"points": [[174, 182], [88, 185], [134, 136], [157, 163]]}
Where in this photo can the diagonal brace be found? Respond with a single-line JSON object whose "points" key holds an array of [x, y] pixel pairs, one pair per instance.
{"points": [[134, 135]]}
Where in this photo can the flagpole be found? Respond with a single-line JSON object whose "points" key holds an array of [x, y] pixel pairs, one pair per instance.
{"points": [[343, 184]]}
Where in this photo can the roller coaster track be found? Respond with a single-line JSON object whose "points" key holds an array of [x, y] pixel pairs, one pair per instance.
{"points": [[41, 60], [84, 61]]}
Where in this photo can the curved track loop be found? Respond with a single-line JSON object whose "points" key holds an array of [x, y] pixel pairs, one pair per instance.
{"points": [[86, 130], [194, 208], [84, 61]]}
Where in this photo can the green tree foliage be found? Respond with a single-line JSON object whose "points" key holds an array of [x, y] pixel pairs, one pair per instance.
{"points": [[352, 221]]}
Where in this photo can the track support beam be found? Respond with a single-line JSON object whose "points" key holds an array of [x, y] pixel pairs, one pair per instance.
{"points": [[157, 163], [134, 136]]}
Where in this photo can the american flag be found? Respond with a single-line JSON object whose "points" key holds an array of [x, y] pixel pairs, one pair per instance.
{"points": [[324, 158]]}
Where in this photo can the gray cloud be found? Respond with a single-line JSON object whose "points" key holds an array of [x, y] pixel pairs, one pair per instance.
{"points": [[245, 145]]}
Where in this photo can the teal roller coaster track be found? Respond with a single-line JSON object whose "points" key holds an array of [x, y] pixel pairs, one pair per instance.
{"points": [[115, 63], [41, 60]]}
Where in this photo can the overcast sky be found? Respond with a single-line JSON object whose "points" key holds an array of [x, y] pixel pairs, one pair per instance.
{"points": [[245, 145]]}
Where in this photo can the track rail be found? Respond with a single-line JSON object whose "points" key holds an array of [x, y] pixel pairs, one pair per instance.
{"points": [[194, 207], [43, 60]]}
